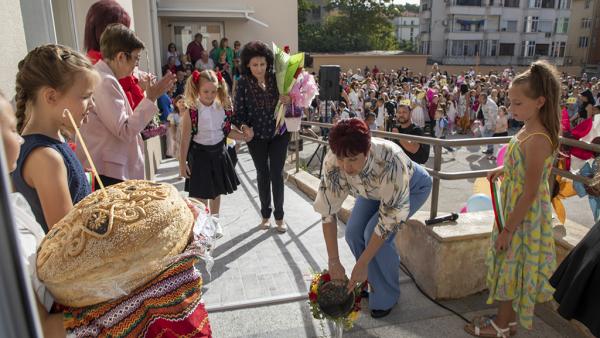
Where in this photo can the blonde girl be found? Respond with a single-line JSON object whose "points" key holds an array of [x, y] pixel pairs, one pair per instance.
{"points": [[51, 78], [522, 257], [205, 125]]}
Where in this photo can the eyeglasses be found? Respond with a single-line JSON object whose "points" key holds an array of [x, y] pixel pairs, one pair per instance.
{"points": [[136, 57]]}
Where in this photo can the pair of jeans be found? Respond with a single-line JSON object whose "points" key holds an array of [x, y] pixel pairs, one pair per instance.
{"points": [[489, 133], [269, 158], [384, 269]]}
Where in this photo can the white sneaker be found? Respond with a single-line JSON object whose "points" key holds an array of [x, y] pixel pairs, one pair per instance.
{"points": [[218, 227]]}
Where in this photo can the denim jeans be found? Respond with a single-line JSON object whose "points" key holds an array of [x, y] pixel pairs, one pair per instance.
{"points": [[384, 268]]}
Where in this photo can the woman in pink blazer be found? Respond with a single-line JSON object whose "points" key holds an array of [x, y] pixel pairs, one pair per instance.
{"points": [[112, 132]]}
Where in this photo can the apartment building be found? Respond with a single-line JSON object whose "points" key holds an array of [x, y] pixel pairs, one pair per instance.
{"points": [[494, 32], [407, 26], [583, 47]]}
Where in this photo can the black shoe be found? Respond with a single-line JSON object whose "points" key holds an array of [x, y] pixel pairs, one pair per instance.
{"points": [[380, 313], [364, 294], [487, 152]]}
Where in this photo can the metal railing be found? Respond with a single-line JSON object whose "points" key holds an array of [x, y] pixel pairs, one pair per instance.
{"points": [[437, 144]]}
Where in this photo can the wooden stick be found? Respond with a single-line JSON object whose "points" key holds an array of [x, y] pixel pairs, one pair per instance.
{"points": [[85, 150]]}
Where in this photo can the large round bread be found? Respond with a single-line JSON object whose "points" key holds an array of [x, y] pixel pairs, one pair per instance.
{"points": [[109, 245]]}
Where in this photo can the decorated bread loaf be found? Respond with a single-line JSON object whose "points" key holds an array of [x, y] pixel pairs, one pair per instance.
{"points": [[109, 245]]}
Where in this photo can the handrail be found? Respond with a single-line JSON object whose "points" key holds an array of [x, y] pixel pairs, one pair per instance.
{"points": [[437, 144]]}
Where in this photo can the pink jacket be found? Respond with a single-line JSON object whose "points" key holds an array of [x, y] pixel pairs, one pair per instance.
{"points": [[112, 132]]}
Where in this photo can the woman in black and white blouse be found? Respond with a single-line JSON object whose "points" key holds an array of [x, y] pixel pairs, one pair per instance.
{"points": [[255, 102]]}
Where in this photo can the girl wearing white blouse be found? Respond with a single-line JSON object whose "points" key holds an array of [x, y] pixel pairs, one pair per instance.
{"points": [[203, 159]]}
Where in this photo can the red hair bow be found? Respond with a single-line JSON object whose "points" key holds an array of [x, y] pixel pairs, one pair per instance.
{"points": [[196, 76], [286, 49], [219, 76]]}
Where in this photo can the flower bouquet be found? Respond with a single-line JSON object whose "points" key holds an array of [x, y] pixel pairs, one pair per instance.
{"points": [[292, 80], [154, 128], [330, 300]]}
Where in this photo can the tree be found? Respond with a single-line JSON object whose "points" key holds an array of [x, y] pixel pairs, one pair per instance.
{"points": [[357, 25]]}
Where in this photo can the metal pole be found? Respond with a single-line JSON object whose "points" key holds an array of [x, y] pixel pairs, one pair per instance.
{"points": [[297, 150], [18, 310], [435, 189]]}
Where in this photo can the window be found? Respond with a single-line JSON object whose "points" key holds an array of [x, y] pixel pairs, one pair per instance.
{"points": [[542, 49], [586, 23], [583, 41], [424, 47], [561, 26], [564, 4], [558, 49], [469, 25], [508, 26], [541, 3], [528, 48], [468, 2], [512, 3], [507, 49], [493, 48], [412, 22], [531, 24], [465, 47], [587, 3]]}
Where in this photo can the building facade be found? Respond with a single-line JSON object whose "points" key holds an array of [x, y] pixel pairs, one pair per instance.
{"points": [[494, 32], [157, 22], [407, 27], [583, 47]]}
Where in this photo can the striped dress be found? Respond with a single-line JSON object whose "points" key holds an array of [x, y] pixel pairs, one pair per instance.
{"points": [[522, 272]]}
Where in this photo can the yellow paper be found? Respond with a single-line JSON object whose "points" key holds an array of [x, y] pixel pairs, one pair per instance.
{"points": [[571, 100], [420, 96], [443, 82], [405, 102]]}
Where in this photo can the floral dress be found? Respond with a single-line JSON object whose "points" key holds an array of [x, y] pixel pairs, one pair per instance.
{"points": [[522, 272]]}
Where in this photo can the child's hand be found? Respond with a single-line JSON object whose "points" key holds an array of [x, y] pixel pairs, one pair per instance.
{"points": [[184, 171], [503, 240], [495, 174]]}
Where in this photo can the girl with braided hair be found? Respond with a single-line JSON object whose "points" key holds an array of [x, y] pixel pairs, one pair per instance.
{"points": [[51, 78]]}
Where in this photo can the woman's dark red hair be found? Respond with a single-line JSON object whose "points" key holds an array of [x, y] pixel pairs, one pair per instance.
{"points": [[100, 15], [350, 137]]}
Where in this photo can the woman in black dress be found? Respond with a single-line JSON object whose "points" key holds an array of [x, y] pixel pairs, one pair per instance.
{"points": [[577, 282], [255, 101]]}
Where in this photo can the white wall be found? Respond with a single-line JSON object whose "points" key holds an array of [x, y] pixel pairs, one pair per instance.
{"points": [[13, 38]]}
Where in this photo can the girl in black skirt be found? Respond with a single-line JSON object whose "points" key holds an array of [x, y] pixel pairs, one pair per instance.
{"points": [[204, 160]]}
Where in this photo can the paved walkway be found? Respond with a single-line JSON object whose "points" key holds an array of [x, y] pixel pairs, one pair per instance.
{"points": [[253, 265]]}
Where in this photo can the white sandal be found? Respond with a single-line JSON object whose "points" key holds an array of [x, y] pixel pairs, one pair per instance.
{"points": [[475, 327]]}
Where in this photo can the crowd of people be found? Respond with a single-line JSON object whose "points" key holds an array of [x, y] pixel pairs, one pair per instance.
{"points": [[441, 104], [225, 95]]}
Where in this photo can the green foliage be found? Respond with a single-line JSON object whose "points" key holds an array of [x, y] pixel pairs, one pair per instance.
{"points": [[355, 25]]}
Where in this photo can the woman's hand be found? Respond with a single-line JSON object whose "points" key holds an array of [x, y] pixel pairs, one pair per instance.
{"points": [[495, 174], [184, 170], [285, 99], [336, 270], [248, 133], [359, 275], [155, 89]]}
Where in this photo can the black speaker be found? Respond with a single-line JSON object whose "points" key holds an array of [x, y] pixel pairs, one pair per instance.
{"points": [[329, 82]]}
